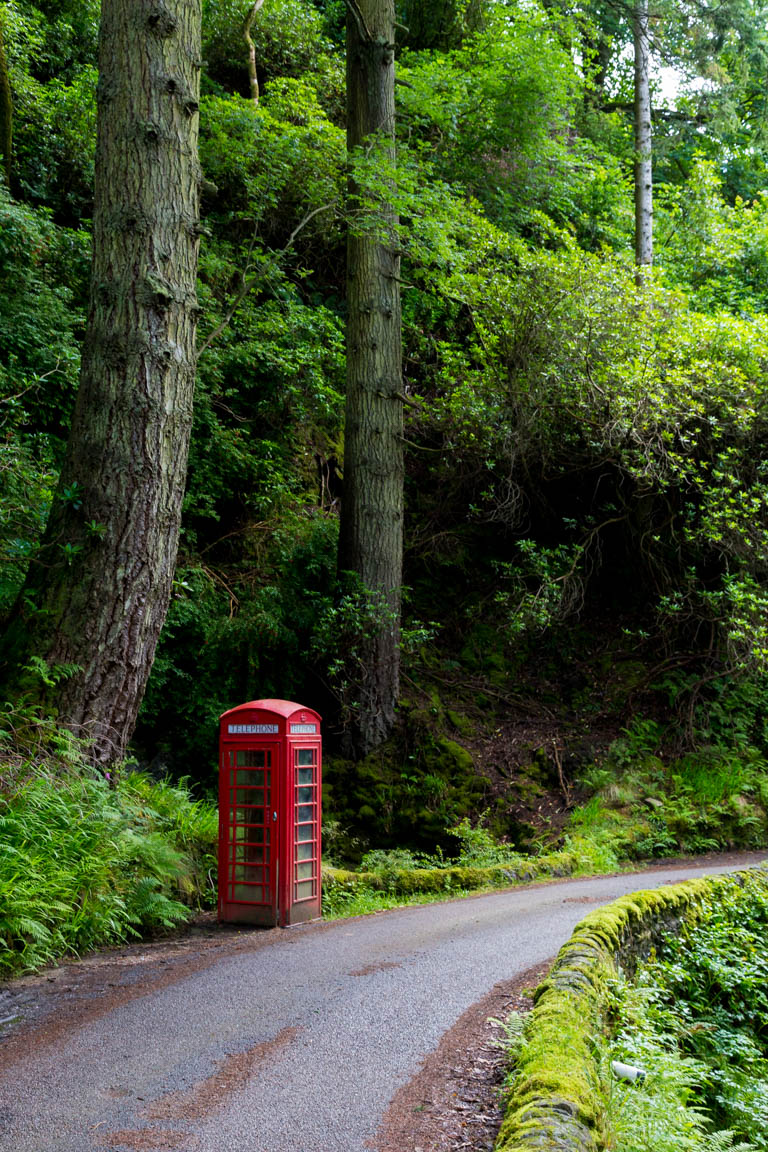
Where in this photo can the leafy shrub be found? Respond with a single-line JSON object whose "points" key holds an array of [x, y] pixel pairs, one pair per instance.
{"points": [[710, 986], [695, 1017], [664, 1112], [84, 864], [477, 847]]}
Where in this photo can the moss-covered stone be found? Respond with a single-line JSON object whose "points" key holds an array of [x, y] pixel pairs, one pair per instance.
{"points": [[408, 791], [461, 723], [556, 1102], [460, 759]]}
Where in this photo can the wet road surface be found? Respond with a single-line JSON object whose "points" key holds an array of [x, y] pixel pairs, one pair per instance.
{"points": [[270, 1041]]}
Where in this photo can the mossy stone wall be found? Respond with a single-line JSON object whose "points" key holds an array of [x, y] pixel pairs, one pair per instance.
{"points": [[405, 882], [555, 1104]]}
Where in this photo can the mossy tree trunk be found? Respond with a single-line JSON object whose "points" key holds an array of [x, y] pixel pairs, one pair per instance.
{"points": [[371, 541], [99, 590]]}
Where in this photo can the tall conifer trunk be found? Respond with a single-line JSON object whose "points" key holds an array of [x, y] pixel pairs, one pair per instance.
{"points": [[643, 142], [6, 111], [98, 593], [371, 543]]}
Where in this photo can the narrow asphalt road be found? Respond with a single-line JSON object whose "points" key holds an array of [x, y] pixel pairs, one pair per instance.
{"points": [[276, 1041]]}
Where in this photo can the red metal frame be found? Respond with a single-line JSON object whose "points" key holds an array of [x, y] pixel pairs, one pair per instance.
{"points": [[270, 813]]}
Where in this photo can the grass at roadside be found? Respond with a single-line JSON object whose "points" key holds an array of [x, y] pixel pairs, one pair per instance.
{"points": [[84, 863], [389, 879]]}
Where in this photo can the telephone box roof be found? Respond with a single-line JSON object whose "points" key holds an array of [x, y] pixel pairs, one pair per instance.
{"points": [[284, 708]]}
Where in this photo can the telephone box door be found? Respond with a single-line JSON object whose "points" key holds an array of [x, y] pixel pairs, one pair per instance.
{"points": [[250, 848]]}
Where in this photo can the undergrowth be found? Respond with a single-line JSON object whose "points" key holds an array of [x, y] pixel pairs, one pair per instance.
{"points": [[644, 808], [696, 1019], [665, 1111], [87, 861]]}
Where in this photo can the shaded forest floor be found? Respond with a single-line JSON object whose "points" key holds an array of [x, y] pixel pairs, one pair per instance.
{"points": [[595, 736]]}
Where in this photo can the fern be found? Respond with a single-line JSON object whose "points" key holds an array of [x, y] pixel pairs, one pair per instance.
{"points": [[83, 864]]}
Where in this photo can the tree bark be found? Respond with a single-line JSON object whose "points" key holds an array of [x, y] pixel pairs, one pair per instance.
{"points": [[371, 540], [6, 110], [98, 594], [643, 142], [253, 77]]}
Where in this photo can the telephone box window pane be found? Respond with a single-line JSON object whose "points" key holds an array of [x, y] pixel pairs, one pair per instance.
{"points": [[306, 776], [306, 832], [251, 835], [305, 871], [249, 795], [249, 815], [255, 875], [254, 758], [252, 778], [306, 812], [305, 889], [248, 893], [305, 851], [305, 756], [249, 854], [305, 795]]}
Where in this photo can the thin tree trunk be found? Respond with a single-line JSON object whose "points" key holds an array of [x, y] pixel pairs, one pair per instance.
{"points": [[6, 110], [643, 142], [98, 595], [252, 74], [371, 541]]}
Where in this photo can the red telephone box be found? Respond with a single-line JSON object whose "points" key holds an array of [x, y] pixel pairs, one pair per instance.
{"points": [[269, 813]]}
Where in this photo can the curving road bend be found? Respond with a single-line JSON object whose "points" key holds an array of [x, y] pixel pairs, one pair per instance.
{"points": [[276, 1041]]}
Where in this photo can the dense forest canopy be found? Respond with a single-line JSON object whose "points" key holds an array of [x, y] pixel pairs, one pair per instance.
{"points": [[586, 484]]}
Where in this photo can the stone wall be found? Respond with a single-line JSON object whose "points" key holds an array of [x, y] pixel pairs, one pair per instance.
{"points": [[556, 1105]]}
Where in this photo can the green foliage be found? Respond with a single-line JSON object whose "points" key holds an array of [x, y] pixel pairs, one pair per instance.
{"points": [[598, 838], [249, 620], [340, 902], [418, 878], [664, 1111], [511, 84], [341, 639], [717, 249], [587, 1014], [288, 38], [708, 800], [83, 863], [696, 1019], [709, 989], [409, 791], [575, 448], [40, 266], [271, 369], [478, 847], [51, 53]]}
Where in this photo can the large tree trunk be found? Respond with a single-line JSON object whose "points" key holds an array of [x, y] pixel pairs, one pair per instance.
{"points": [[643, 142], [371, 543], [98, 594], [6, 110]]}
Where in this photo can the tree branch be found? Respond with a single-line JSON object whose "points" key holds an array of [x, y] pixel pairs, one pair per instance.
{"points": [[665, 115]]}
